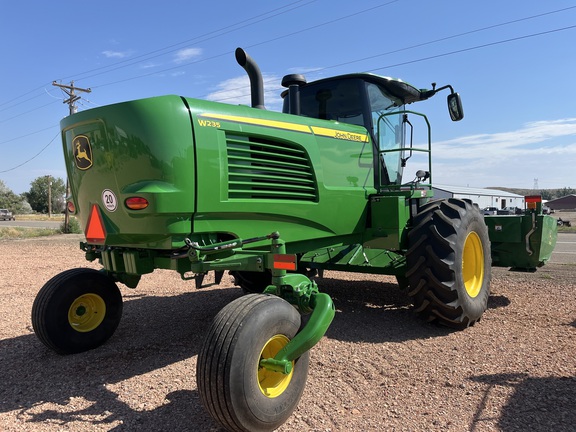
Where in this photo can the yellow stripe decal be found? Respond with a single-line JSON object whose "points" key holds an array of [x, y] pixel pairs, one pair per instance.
{"points": [[334, 133], [260, 122], [327, 132]]}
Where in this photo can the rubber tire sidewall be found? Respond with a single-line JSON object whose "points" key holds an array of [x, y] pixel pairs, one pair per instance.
{"points": [[50, 310], [434, 262], [233, 347]]}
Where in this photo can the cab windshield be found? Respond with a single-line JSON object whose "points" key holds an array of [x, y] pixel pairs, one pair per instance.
{"points": [[387, 129]]}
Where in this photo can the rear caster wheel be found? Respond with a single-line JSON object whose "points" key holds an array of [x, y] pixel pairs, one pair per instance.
{"points": [[77, 310], [237, 392]]}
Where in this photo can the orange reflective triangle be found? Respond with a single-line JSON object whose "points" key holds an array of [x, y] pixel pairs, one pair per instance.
{"points": [[95, 227]]}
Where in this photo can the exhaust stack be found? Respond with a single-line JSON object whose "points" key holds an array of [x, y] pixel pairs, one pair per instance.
{"points": [[256, 83]]}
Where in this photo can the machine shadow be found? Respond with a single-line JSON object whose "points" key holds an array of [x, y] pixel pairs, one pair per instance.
{"points": [[537, 404], [154, 332], [376, 312]]}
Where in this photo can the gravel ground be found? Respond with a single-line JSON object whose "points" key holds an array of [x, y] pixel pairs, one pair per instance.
{"points": [[379, 368]]}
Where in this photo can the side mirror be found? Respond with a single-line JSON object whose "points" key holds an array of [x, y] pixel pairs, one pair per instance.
{"points": [[455, 107]]}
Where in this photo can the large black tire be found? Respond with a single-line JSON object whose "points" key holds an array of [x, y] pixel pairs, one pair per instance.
{"points": [[449, 264], [77, 310], [236, 391]]}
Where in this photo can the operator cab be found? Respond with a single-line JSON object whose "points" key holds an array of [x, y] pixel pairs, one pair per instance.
{"points": [[374, 102]]}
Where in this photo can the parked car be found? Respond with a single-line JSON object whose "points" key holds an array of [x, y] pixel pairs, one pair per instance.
{"points": [[487, 211], [510, 211], [6, 214]]}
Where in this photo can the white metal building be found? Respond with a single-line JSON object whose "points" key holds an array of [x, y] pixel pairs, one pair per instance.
{"points": [[482, 197]]}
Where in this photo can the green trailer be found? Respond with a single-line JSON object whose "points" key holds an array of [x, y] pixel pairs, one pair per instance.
{"points": [[273, 198], [523, 242]]}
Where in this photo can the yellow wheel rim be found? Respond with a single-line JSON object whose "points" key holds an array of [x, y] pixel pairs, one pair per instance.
{"points": [[86, 312], [473, 264], [273, 384]]}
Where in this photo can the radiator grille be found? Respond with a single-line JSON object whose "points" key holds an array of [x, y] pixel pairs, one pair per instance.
{"points": [[263, 169]]}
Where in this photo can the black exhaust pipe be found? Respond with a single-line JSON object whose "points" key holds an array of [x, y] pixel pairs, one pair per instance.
{"points": [[256, 83]]}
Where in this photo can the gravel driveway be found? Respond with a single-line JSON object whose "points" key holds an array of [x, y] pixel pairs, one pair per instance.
{"points": [[380, 368]]}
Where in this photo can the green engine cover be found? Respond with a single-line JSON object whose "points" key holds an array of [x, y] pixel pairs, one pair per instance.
{"points": [[211, 172]]}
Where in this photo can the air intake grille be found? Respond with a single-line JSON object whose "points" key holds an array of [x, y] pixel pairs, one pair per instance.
{"points": [[263, 169]]}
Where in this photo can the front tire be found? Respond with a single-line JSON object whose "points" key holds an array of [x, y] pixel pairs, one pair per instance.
{"points": [[449, 264], [236, 391], [77, 310]]}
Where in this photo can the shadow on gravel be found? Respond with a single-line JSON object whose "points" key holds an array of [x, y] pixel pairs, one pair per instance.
{"points": [[537, 404], [498, 301], [154, 332], [375, 312]]}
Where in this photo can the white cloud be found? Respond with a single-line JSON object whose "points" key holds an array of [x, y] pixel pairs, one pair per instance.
{"points": [[543, 150], [506, 143], [304, 70], [236, 91], [187, 54], [149, 65], [116, 54]]}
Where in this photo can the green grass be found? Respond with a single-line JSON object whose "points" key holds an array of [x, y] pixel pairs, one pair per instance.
{"points": [[11, 233], [40, 217]]}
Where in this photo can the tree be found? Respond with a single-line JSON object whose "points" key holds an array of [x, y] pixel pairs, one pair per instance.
{"points": [[40, 188], [9, 200]]}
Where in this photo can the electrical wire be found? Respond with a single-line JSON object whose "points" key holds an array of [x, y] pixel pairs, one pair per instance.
{"points": [[230, 28], [248, 46], [27, 135], [33, 157], [27, 112], [474, 48], [345, 63], [431, 57], [201, 38]]}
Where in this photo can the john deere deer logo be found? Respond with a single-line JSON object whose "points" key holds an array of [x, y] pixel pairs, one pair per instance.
{"points": [[82, 152]]}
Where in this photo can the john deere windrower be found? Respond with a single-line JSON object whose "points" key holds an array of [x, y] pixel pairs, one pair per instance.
{"points": [[274, 199]]}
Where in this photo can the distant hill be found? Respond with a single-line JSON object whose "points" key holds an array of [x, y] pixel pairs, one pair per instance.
{"points": [[547, 194]]}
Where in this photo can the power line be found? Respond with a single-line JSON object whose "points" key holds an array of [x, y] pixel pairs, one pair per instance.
{"points": [[366, 58], [474, 48], [27, 112], [147, 56], [490, 27], [27, 135], [201, 38], [231, 28], [248, 46], [23, 95], [33, 157], [372, 70], [436, 55]]}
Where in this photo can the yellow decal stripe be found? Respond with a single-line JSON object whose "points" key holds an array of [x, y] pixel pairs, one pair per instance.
{"points": [[340, 134], [260, 122], [327, 132]]}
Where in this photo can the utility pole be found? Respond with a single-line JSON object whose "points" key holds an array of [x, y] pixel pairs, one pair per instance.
{"points": [[70, 90], [49, 197]]}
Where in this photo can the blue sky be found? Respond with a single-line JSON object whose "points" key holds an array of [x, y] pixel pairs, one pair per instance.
{"points": [[513, 66]]}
